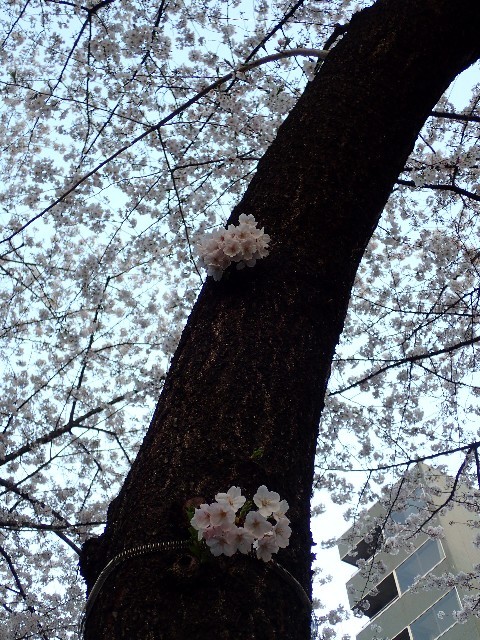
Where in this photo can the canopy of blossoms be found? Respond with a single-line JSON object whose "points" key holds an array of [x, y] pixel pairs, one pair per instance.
{"points": [[118, 172]]}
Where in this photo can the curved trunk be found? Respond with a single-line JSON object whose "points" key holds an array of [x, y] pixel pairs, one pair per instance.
{"points": [[253, 362]]}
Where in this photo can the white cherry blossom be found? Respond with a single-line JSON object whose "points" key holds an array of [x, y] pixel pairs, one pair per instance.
{"points": [[219, 541], [256, 524], [282, 532], [201, 519], [265, 547], [233, 497], [243, 244], [268, 502], [241, 539], [221, 514], [224, 533], [282, 509]]}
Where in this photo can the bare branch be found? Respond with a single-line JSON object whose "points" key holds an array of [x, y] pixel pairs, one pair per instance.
{"points": [[442, 187], [11, 486], [26, 525], [66, 428], [406, 463], [319, 53], [455, 116], [20, 588], [450, 496], [408, 359], [273, 31]]}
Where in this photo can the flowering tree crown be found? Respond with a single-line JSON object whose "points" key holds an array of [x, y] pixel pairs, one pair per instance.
{"points": [[96, 289]]}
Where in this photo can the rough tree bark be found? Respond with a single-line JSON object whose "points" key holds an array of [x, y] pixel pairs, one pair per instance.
{"points": [[253, 362]]}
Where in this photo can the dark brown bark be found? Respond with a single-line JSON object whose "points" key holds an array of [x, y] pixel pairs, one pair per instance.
{"points": [[253, 361]]}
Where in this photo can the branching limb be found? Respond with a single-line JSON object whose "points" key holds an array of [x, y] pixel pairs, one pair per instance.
{"points": [[319, 53], [408, 359], [456, 116], [20, 588], [451, 495], [274, 30], [11, 486], [66, 428], [406, 463], [442, 187], [27, 525]]}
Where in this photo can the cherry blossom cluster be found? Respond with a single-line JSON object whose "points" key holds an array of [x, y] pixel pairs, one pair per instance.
{"points": [[227, 526], [243, 244]]}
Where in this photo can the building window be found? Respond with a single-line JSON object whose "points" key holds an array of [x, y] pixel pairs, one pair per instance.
{"points": [[379, 598], [437, 619], [418, 564], [366, 548], [413, 506]]}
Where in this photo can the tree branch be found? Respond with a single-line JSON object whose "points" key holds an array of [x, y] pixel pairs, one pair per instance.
{"points": [[11, 486], [319, 53], [408, 359], [441, 187], [386, 467], [273, 31], [66, 428], [450, 496], [20, 588], [455, 116]]}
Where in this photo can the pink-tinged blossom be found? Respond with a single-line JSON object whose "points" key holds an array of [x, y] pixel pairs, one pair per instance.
{"points": [[218, 525], [262, 246], [233, 497], [256, 524], [201, 519], [282, 532], [248, 248], [281, 511], [247, 220], [217, 540], [221, 515], [231, 246], [266, 546], [267, 501], [241, 538], [241, 233], [217, 259]]}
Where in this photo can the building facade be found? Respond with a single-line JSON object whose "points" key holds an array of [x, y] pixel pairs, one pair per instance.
{"points": [[382, 587]]}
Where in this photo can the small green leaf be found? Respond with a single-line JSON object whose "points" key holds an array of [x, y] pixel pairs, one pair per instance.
{"points": [[197, 547], [245, 509], [257, 454]]}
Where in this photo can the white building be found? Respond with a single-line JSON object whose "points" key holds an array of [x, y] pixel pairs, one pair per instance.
{"points": [[396, 611]]}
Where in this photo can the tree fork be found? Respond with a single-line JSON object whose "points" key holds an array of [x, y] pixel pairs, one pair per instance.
{"points": [[252, 365]]}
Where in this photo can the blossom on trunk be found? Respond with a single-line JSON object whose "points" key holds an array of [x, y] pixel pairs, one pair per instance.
{"points": [[226, 528]]}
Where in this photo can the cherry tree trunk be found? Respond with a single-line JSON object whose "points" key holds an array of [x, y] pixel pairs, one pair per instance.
{"points": [[243, 398]]}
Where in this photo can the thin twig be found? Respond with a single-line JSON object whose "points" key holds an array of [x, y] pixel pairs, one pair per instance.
{"points": [[319, 53]]}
